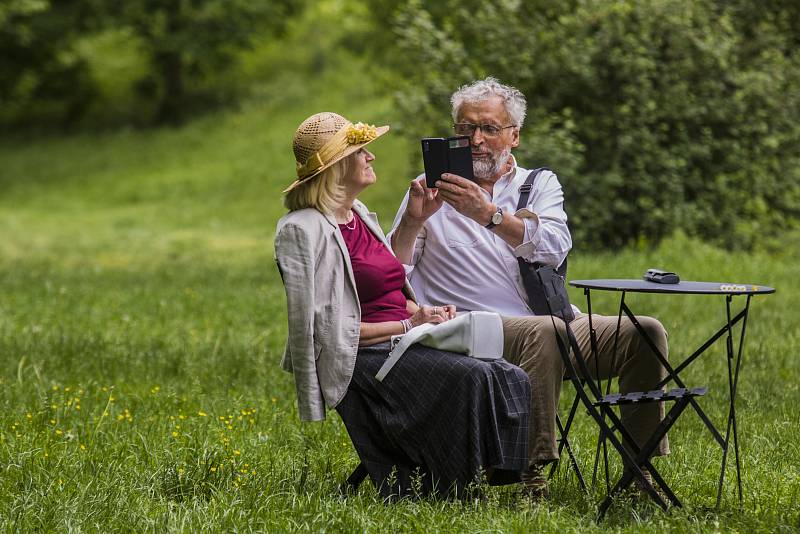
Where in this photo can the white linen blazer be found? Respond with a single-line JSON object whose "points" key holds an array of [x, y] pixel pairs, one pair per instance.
{"points": [[324, 312]]}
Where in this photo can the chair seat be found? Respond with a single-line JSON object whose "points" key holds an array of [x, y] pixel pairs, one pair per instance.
{"points": [[615, 399]]}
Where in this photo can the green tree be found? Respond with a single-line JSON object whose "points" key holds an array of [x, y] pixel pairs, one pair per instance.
{"points": [[40, 75], [657, 114], [189, 41]]}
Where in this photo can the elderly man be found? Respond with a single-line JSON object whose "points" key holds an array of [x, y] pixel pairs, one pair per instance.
{"points": [[460, 243]]}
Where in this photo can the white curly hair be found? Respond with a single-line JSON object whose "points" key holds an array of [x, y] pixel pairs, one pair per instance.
{"points": [[481, 90]]}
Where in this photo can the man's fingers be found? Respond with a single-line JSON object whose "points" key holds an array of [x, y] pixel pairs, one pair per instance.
{"points": [[449, 196], [455, 179]]}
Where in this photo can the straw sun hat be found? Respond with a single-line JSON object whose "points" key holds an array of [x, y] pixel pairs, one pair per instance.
{"points": [[325, 138]]}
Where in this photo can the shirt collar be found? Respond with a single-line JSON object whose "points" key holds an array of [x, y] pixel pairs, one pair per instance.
{"points": [[508, 178]]}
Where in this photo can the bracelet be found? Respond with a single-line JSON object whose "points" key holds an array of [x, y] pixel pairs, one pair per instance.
{"points": [[406, 325]]}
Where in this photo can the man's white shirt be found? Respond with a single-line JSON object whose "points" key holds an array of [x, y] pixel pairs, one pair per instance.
{"points": [[458, 261]]}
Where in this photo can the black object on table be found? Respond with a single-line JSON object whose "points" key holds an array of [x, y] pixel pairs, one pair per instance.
{"points": [[729, 290]]}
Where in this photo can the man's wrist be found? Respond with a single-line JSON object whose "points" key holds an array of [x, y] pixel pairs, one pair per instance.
{"points": [[487, 214], [495, 218], [407, 222]]}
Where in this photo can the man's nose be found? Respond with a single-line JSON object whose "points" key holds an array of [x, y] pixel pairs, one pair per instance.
{"points": [[477, 137]]}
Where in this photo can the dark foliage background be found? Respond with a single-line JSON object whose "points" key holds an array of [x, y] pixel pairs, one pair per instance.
{"points": [[656, 114]]}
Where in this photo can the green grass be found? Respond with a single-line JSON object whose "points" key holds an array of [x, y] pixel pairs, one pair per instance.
{"points": [[142, 322]]}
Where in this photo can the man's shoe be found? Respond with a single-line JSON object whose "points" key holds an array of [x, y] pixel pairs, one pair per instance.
{"points": [[534, 482]]}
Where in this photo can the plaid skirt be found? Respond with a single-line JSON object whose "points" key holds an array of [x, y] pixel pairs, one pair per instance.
{"points": [[437, 422]]}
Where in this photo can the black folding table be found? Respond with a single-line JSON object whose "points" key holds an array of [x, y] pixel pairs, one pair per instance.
{"points": [[734, 352]]}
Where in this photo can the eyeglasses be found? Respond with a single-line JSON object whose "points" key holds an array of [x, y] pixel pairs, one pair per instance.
{"points": [[488, 130]]}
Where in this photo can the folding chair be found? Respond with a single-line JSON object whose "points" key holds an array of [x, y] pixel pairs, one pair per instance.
{"points": [[354, 480], [563, 444], [601, 408]]}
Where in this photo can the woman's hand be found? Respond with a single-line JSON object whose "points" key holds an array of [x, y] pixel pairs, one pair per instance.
{"points": [[433, 314]]}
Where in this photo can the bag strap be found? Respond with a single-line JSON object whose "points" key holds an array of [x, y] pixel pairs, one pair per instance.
{"points": [[526, 188], [524, 193]]}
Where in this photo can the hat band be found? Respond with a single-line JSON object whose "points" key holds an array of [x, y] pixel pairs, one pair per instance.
{"points": [[350, 134]]}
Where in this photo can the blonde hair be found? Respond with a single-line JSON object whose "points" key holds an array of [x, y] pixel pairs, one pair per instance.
{"points": [[323, 193]]}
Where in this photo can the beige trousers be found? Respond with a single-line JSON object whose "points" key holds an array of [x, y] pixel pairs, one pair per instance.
{"points": [[531, 344]]}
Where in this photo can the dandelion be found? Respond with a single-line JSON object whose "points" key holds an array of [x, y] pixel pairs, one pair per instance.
{"points": [[58, 432], [174, 434], [213, 469], [83, 447], [237, 452], [201, 413]]}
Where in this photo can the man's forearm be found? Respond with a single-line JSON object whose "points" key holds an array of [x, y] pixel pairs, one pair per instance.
{"points": [[511, 230], [404, 238]]}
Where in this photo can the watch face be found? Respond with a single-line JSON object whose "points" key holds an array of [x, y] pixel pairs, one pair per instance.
{"points": [[497, 218]]}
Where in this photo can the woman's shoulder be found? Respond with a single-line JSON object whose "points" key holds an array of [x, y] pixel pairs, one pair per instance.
{"points": [[307, 219]]}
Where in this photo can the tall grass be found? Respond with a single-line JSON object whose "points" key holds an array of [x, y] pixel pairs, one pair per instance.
{"points": [[142, 321]]}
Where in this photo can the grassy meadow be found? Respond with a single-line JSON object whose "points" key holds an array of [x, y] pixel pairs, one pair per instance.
{"points": [[142, 320]]}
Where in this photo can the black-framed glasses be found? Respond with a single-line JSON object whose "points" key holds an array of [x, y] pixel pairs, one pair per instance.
{"points": [[488, 130]]}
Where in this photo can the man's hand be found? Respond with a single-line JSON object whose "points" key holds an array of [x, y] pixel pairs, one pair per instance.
{"points": [[422, 202], [466, 197]]}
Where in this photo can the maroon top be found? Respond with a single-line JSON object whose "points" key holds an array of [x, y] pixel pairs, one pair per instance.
{"points": [[379, 276]]}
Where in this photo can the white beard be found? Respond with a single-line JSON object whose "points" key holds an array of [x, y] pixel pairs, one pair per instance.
{"points": [[486, 169]]}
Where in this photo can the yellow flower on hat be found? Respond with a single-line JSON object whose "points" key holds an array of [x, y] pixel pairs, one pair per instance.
{"points": [[361, 133]]}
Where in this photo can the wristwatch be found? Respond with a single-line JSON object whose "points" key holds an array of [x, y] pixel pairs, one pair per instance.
{"points": [[497, 218]]}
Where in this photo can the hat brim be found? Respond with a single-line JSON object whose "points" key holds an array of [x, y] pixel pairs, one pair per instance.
{"points": [[380, 130]]}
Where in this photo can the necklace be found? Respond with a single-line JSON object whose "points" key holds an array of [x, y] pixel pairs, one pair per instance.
{"points": [[352, 220]]}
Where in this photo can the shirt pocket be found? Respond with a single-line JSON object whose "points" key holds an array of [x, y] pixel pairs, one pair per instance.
{"points": [[457, 234]]}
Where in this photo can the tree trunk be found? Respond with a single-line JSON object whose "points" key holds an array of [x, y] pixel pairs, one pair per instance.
{"points": [[169, 64], [170, 109]]}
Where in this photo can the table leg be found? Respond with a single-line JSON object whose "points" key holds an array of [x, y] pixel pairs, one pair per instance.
{"points": [[733, 383]]}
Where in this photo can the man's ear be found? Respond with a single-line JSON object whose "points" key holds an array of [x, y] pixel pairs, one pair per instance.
{"points": [[514, 137]]}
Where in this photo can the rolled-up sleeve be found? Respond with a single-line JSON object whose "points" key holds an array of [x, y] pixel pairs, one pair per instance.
{"points": [[295, 260], [547, 239]]}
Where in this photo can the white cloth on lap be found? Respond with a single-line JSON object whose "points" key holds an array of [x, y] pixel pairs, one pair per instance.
{"points": [[476, 334]]}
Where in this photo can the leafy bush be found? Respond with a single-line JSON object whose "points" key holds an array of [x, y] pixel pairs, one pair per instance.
{"points": [[657, 114]]}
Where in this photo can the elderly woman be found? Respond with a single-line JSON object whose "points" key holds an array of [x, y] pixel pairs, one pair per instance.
{"points": [[444, 417]]}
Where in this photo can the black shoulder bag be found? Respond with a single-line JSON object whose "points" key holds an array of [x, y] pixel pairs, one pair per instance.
{"points": [[542, 283]]}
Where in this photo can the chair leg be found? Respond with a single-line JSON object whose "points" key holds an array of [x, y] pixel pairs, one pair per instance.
{"points": [[354, 480], [643, 459], [563, 431]]}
